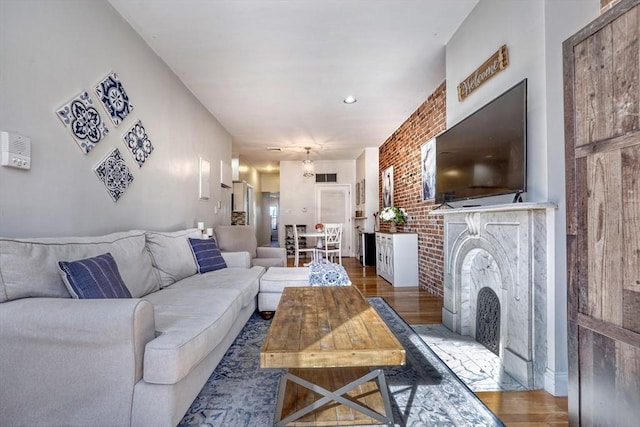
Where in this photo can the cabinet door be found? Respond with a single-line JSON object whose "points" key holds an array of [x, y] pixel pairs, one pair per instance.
{"points": [[239, 197], [388, 254], [602, 148], [381, 267], [384, 249]]}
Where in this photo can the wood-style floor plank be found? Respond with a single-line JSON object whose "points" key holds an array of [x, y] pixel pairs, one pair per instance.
{"points": [[527, 408], [415, 306]]}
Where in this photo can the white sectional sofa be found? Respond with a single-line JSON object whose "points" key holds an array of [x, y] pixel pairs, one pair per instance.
{"points": [[136, 361]]}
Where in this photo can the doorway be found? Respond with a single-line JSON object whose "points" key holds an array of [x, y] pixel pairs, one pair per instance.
{"points": [[269, 220], [274, 209], [333, 205]]}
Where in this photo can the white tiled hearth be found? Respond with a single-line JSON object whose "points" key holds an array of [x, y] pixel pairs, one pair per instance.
{"points": [[474, 364], [502, 248]]}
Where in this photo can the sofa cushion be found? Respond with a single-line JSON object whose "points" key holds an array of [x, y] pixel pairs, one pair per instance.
{"points": [[172, 255], [245, 280], [277, 278], [267, 262], [29, 267], [235, 238], [192, 317], [207, 255], [96, 277], [190, 323]]}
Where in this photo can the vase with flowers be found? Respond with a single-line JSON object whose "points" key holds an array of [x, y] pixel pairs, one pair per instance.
{"points": [[395, 216]]}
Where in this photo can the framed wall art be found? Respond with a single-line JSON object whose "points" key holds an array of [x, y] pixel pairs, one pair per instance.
{"points": [[114, 174], [114, 98], [428, 165], [387, 187], [83, 121], [138, 143], [205, 179]]}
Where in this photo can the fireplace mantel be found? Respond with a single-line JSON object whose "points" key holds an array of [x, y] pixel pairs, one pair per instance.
{"points": [[504, 248], [525, 206]]}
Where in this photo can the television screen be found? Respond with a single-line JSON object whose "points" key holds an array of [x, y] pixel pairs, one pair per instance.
{"points": [[485, 154]]}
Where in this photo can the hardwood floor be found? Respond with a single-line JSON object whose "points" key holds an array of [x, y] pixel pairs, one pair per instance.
{"points": [[517, 408]]}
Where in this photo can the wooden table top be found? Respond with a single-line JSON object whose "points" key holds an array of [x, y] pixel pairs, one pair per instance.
{"points": [[328, 326]]}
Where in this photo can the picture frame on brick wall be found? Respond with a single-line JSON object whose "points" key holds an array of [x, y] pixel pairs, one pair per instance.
{"points": [[387, 187], [428, 166]]}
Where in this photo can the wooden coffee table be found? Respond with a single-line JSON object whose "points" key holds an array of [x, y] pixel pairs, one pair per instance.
{"points": [[328, 339]]}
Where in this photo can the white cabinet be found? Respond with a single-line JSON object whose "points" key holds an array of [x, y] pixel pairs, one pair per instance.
{"points": [[225, 174], [239, 196], [397, 258]]}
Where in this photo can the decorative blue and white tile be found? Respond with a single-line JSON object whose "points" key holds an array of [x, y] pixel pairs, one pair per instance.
{"points": [[83, 121], [114, 174], [137, 141], [114, 98]]}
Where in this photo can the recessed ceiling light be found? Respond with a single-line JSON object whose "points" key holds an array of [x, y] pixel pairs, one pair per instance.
{"points": [[350, 100]]}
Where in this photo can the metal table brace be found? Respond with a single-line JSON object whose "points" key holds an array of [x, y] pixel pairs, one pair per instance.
{"points": [[336, 396]]}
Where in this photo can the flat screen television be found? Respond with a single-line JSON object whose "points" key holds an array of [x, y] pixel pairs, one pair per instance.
{"points": [[486, 153]]}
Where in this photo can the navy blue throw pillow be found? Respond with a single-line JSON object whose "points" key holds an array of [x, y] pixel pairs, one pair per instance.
{"points": [[207, 255], [96, 277]]}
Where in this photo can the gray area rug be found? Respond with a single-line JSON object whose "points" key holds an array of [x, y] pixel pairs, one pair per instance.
{"points": [[425, 392]]}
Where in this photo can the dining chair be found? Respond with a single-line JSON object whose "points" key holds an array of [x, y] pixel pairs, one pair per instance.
{"points": [[332, 242], [298, 249]]}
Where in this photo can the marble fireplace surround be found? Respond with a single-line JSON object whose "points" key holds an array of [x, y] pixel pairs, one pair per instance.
{"points": [[502, 247]]}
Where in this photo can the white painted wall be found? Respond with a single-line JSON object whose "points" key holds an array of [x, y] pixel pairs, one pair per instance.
{"points": [[270, 182], [533, 31], [367, 167], [297, 193], [49, 52]]}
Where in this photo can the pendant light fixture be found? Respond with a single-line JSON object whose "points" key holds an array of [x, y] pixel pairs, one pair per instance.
{"points": [[307, 167]]}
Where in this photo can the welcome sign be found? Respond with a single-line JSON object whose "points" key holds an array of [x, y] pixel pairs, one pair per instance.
{"points": [[492, 66]]}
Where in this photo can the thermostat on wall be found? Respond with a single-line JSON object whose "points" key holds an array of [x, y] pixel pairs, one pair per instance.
{"points": [[16, 150]]}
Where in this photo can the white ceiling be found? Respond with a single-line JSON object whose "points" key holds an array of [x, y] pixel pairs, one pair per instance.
{"points": [[275, 72]]}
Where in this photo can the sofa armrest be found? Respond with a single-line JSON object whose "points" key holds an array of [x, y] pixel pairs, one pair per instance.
{"points": [[271, 252], [237, 259], [71, 360]]}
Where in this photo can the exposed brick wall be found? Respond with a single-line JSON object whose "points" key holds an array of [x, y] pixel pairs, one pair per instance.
{"points": [[402, 150]]}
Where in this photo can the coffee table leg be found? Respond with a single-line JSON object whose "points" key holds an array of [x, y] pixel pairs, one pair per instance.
{"points": [[384, 391], [281, 393], [335, 396]]}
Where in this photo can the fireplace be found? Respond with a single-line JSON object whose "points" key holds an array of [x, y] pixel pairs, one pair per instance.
{"points": [[495, 283], [488, 320]]}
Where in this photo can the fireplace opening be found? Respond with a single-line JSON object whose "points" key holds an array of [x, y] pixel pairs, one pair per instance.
{"points": [[488, 320]]}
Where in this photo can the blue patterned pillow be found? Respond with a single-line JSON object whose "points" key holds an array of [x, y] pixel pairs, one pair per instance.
{"points": [[96, 277], [325, 273], [207, 255]]}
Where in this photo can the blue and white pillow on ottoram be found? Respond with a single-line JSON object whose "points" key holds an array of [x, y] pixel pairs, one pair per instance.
{"points": [[91, 278], [325, 273], [207, 255]]}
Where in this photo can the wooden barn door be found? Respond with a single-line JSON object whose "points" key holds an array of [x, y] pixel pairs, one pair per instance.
{"points": [[602, 93]]}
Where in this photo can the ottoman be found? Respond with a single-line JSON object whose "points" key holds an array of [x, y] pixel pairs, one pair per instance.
{"points": [[273, 281]]}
